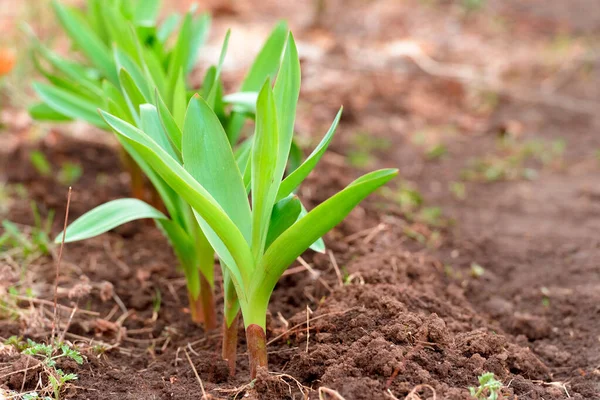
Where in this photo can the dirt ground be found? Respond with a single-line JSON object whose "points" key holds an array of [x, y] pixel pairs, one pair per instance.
{"points": [[482, 257]]}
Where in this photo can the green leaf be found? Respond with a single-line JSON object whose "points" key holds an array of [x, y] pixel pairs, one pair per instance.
{"points": [[138, 77], [211, 98], [68, 104], [151, 125], [292, 181], [208, 157], [243, 102], [200, 29], [155, 70], [167, 27], [179, 100], [265, 66], [221, 232], [264, 161], [85, 39], [284, 214], [146, 12], [133, 96], [43, 112], [108, 216], [179, 56], [121, 32], [286, 93], [294, 241], [267, 61], [185, 249], [169, 123], [319, 244]]}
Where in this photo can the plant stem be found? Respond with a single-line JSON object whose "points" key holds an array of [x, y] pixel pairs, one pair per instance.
{"points": [[196, 309], [208, 303], [135, 174], [256, 339], [230, 341]]}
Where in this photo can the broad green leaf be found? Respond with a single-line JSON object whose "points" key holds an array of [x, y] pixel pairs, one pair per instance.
{"points": [[267, 61], [286, 93], [85, 39], [284, 214], [68, 104], [319, 244], [208, 157], [169, 123], [146, 12], [108, 216], [292, 181], [295, 240], [151, 125], [200, 29], [265, 66], [167, 27], [43, 112], [217, 226], [264, 160]]}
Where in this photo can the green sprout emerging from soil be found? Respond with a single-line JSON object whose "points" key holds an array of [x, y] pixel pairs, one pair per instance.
{"points": [[206, 187], [46, 356], [488, 389]]}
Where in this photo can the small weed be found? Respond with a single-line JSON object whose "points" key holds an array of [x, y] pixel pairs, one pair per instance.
{"points": [[458, 189], [509, 163], [40, 163], [48, 355], [29, 242], [436, 152], [69, 173], [473, 5], [488, 389], [363, 146]]}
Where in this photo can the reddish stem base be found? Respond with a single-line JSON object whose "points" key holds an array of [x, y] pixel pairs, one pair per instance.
{"points": [[230, 341], [256, 339]]}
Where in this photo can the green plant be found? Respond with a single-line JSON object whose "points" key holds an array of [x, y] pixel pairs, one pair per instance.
{"points": [[29, 243], [142, 81], [40, 163], [48, 355], [109, 36], [193, 250], [255, 241], [489, 387], [69, 173]]}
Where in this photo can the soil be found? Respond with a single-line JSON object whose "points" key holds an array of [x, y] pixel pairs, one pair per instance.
{"points": [[506, 281]]}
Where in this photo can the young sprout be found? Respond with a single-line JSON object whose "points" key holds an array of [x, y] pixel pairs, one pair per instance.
{"points": [[141, 102], [256, 241], [489, 387]]}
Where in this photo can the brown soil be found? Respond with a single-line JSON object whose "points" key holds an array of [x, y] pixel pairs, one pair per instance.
{"points": [[414, 312]]}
